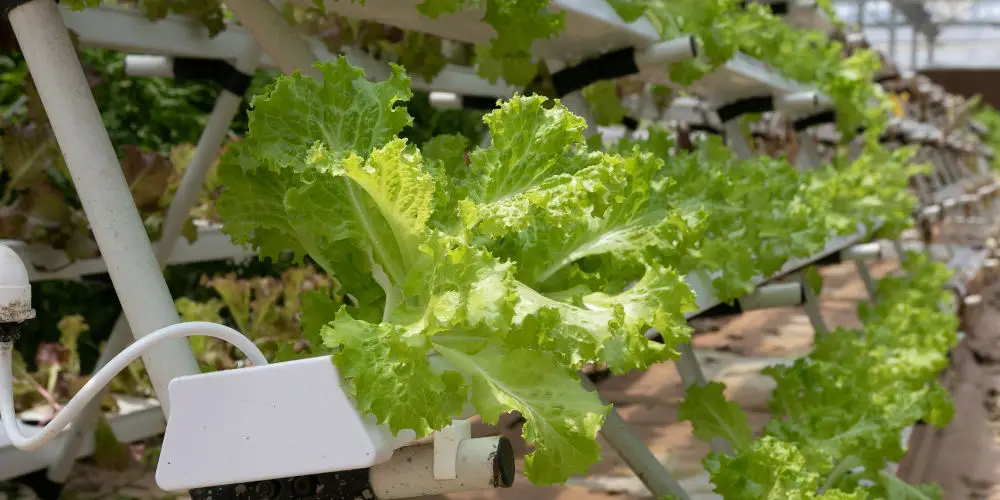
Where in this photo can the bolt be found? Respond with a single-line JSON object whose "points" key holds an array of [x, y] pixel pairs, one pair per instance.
{"points": [[267, 490], [303, 485]]}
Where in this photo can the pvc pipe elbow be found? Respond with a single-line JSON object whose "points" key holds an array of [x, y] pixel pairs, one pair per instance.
{"points": [[15, 288]]}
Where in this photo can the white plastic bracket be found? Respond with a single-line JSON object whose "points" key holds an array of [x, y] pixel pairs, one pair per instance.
{"points": [[446, 442], [801, 102], [262, 430]]}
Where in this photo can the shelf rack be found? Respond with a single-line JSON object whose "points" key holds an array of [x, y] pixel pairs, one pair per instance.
{"points": [[45, 263], [126, 30], [137, 419], [592, 28]]}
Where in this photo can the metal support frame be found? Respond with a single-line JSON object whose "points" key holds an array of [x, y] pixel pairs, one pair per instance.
{"points": [[212, 137]]}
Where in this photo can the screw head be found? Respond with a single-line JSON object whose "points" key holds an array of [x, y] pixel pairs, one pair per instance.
{"points": [[303, 485], [267, 489]]}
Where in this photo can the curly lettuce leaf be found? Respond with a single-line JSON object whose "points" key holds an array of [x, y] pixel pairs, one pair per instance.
{"points": [[438, 310]]}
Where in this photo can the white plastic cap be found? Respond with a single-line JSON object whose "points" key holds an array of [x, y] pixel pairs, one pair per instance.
{"points": [[15, 288]]}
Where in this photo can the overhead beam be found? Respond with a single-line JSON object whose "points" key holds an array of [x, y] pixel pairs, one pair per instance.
{"points": [[914, 12], [917, 15], [971, 23]]}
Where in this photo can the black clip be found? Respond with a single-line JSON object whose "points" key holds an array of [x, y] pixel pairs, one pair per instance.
{"points": [[218, 71], [631, 124], [886, 78], [759, 104], [480, 103], [814, 120], [616, 64], [705, 127], [776, 8]]}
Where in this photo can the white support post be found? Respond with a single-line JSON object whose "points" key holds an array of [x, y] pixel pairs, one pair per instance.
{"points": [[861, 254], [279, 40], [808, 157], [688, 366], [636, 454], [212, 137], [616, 431], [692, 374], [900, 251], [100, 183], [811, 307], [736, 140], [866, 277]]}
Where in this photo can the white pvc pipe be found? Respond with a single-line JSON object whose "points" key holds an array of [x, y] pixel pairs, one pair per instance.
{"points": [[900, 251], [864, 251], [666, 53], [100, 183], [811, 307], [279, 40], [481, 463], [226, 107], [800, 102], [691, 374], [445, 100], [930, 212], [99, 380], [776, 295], [808, 156], [149, 66], [688, 366], [207, 150], [86, 422], [636, 454], [866, 277], [736, 140]]}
